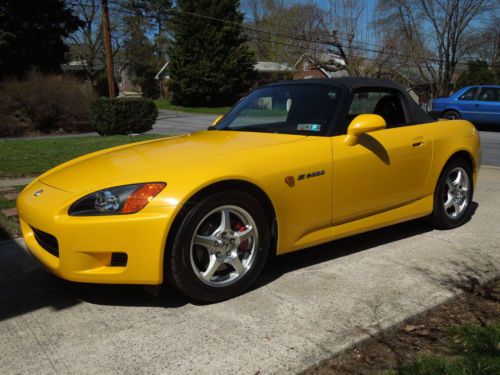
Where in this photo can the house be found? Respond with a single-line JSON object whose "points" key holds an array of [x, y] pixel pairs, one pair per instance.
{"points": [[321, 65], [78, 66], [265, 72], [268, 71]]}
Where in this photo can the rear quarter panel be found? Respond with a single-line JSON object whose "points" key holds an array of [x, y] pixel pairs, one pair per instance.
{"points": [[449, 138]]}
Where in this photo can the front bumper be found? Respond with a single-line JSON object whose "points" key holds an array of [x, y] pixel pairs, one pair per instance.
{"points": [[85, 245]]}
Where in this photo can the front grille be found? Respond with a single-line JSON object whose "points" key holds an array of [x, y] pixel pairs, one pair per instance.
{"points": [[119, 259], [47, 241]]}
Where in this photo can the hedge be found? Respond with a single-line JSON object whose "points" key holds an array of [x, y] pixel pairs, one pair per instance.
{"points": [[123, 115]]}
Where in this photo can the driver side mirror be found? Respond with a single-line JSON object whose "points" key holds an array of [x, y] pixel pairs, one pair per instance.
{"points": [[362, 124]]}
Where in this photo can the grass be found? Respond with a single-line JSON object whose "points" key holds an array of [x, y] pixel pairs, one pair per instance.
{"points": [[9, 228], [22, 157], [476, 351], [165, 104], [5, 203]]}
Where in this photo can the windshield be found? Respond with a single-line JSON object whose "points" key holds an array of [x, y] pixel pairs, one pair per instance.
{"points": [[291, 109]]}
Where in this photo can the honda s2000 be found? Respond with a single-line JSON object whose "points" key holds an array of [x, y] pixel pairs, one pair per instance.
{"points": [[292, 165]]}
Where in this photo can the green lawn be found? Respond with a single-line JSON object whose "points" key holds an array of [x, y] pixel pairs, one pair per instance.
{"points": [[22, 157], [165, 104], [474, 350]]}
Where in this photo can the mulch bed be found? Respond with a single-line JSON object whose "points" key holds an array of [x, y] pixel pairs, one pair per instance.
{"points": [[425, 334]]}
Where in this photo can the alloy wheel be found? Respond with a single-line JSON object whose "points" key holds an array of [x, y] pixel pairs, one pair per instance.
{"points": [[224, 246], [456, 193]]}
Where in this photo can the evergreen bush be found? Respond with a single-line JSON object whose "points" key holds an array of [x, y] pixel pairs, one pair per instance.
{"points": [[123, 115]]}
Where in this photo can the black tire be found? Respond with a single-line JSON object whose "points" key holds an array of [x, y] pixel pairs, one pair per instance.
{"points": [[179, 268], [442, 218], [451, 115]]}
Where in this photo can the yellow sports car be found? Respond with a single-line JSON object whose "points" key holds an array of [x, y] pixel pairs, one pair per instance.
{"points": [[292, 165]]}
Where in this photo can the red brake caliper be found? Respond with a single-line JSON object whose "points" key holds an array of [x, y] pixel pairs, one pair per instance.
{"points": [[244, 245]]}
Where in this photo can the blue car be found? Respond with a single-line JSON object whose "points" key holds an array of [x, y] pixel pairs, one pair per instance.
{"points": [[478, 104]]}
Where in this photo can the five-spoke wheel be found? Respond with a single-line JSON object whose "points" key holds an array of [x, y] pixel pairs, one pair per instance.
{"points": [[220, 246], [453, 195], [224, 246]]}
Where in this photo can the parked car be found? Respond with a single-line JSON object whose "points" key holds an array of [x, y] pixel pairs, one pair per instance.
{"points": [[478, 104], [290, 166]]}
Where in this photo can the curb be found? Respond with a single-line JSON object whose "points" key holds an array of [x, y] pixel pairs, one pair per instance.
{"points": [[489, 166], [11, 182]]}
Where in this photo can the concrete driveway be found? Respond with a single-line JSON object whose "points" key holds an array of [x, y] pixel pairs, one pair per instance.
{"points": [[306, 307]]}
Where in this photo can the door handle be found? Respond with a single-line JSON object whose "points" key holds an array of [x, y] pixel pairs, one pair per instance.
{"points": [[418, 142], [476, 105]]}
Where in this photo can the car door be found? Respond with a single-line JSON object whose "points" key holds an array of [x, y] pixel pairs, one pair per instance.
{"points": [[468, 105], [487, 105], [385, 169]]}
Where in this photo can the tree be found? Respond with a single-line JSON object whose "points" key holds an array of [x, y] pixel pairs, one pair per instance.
{"points": [[283, 32], [344, 23], [438, 34], [158, 12], [477, 73], [145, 56], [88, 39], [32, 35], [209, 60]]}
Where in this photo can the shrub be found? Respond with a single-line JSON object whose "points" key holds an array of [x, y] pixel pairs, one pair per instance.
{"points": [[44, 103], [123, 115]]}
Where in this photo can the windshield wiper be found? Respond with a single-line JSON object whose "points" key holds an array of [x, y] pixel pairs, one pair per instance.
{"points": [[252, 128]]}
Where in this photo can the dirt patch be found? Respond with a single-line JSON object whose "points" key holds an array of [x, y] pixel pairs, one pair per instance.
{"points": [[426, 334]]}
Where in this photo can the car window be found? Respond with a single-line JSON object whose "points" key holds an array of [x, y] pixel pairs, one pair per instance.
{"points": [[264, 110], [291, 109], [489, 94], [383, 103], [470, 94]]}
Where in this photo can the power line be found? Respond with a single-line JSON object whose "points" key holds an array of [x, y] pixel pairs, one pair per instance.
{"points": [[275, 34]]}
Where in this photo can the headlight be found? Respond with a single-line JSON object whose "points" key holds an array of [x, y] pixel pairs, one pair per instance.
{"points": [[126, 199]]}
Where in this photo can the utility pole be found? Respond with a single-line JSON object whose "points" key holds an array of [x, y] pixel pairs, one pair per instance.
{"points": [[107, 42]]}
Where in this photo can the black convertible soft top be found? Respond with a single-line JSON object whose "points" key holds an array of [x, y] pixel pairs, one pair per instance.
{"points": [[416, 115]]}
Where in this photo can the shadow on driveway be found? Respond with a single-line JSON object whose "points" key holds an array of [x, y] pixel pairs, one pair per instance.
{"points": [[25, 286]]}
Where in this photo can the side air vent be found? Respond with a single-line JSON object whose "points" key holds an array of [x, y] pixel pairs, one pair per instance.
{"points": [[47, 241]]}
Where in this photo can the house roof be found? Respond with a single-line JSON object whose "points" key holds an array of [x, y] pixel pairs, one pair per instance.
{"points": [[326, 59], [330, 64], [271, 67]]}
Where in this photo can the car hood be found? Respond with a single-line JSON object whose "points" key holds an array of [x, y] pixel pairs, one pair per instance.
{"points": [[149, 161]]}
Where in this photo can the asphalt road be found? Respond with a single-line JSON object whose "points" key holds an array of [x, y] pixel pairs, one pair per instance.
{"points": [[306, 306], [490, 145], [171, 122]]}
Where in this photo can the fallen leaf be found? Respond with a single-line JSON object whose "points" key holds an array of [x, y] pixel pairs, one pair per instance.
{"points": [[410, 328]]}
